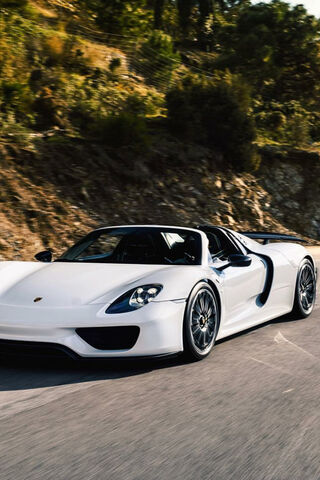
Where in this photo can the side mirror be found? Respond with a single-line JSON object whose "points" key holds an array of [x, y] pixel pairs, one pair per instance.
{"points": [[237, 260], [45, 256]]}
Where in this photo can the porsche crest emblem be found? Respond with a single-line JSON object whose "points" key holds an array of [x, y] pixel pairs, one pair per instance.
{"points": [[37, 299]]}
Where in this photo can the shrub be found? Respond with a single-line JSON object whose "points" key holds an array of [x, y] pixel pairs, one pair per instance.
{"points": [[156, 59], [66, 53], [114, 64], [271, 124], [276, 120], [298, 130], [46, 108], [16, 99], [314, 121], [151, 103], [286, 122], [215, 113], [121, 130], [13, 3], [92, 99]]}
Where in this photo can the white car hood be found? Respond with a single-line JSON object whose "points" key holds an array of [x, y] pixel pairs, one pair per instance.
{"points": [[68, 284]]}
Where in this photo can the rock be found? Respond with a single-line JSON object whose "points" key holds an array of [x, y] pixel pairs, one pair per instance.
{"points": [[191, 201], [291, 205], [230, 220], [85, 193], [239, 182]]}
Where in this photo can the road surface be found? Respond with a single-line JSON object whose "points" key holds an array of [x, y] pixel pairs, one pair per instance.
{"points": [[250, 411]]}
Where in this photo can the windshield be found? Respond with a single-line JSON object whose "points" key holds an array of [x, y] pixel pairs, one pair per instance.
{"points": [[138, 245]]}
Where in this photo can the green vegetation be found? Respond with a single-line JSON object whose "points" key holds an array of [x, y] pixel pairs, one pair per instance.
{"points": [[157, 59], [215, 112], [222, 73]]}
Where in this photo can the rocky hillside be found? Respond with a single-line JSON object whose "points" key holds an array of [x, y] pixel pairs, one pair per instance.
{"points": [[53, 193], [292, 177], [88, 137]]}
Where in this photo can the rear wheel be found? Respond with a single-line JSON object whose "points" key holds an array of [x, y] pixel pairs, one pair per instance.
{"points": [[305, 294], [201, 322]]}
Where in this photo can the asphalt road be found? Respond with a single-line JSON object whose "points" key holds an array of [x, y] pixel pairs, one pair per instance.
{"points": [[250, 411]]}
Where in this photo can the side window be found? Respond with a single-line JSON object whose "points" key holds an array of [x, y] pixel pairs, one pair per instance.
{"points": [[239, 243], [220, 246], [215, 246]]}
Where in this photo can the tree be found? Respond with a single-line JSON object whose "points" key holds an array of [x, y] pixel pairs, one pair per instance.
{"points": [[276, 47], [185, 9], [205, 8], [216, 113], [13, 3], [120, 16], [158, 13]]}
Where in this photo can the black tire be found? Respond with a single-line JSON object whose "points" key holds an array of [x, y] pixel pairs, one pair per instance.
{"points": [[201, 322], [305, 293]]}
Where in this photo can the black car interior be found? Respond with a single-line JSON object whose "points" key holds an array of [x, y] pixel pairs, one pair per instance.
{"points": [[142, 245], [220, 245]]}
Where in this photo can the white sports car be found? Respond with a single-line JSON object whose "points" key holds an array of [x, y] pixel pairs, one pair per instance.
{"points": [[130, 291]]}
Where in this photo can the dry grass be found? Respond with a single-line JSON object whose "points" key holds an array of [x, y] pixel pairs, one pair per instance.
{"points": [[99, 55], [42, 10], [54, 46], [64, 4]]}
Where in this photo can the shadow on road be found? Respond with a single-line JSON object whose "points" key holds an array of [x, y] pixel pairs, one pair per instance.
{"points": [[22, 373], [25, 373]]}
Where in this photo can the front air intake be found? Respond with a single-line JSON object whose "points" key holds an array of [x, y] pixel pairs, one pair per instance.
{"points": [[21, 348], [110, 338]]}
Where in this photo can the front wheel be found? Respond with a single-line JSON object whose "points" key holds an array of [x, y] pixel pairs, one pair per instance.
{"points": [[201, 322], [305, 294]]}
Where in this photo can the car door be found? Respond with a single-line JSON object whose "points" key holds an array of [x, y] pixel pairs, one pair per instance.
{"points": [[241, 285]]}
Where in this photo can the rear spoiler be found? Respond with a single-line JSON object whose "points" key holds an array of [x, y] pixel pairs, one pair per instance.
{"points": [[267, 237]]}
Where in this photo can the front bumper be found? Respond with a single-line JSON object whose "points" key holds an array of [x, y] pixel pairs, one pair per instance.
{"points": [[160, 328]]}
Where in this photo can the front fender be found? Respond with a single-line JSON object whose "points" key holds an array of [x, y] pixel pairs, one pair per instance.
{"points": [[177, 281]]}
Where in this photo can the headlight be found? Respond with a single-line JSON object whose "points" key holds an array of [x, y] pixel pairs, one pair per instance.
{"points": [[134, 299]]}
